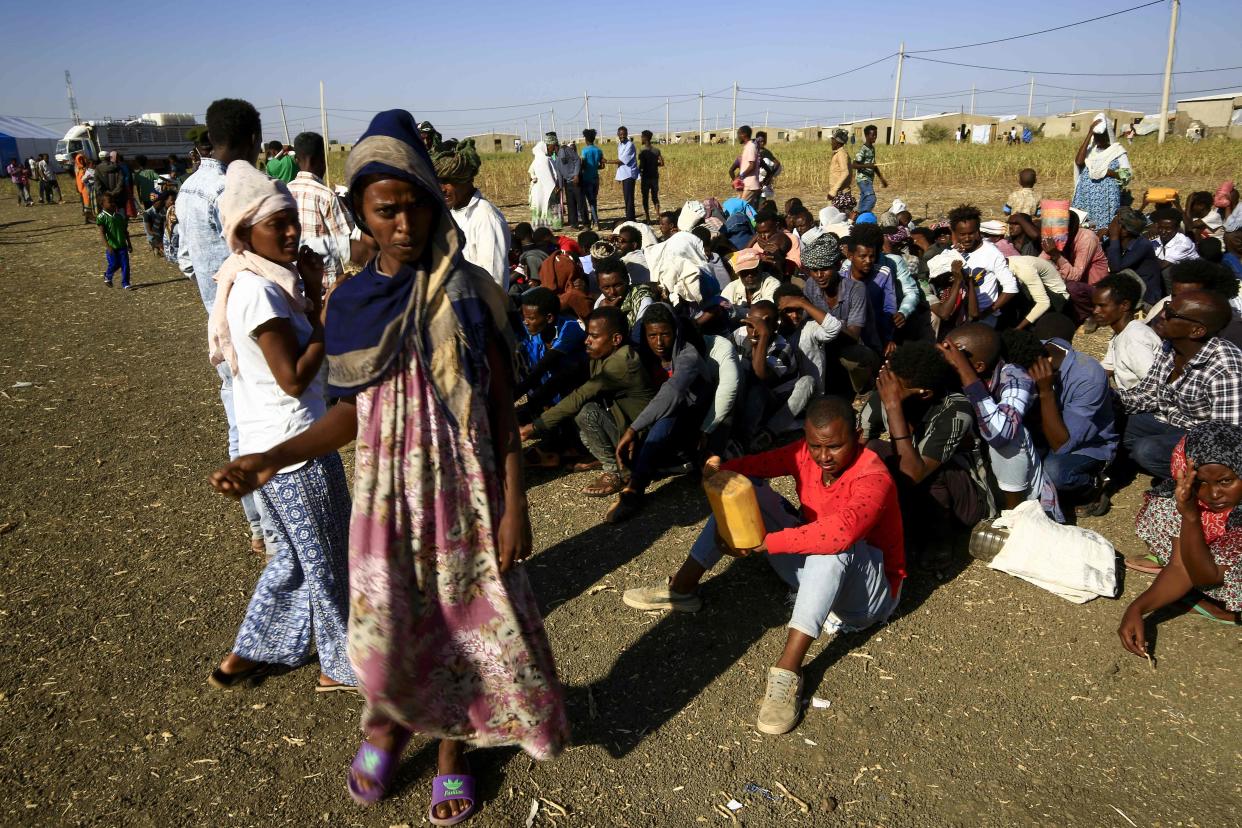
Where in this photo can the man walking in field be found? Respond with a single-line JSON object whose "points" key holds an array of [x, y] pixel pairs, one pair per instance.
{"points": [[866, 170]]}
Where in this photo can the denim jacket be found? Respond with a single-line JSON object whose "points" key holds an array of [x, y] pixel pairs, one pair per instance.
{"points": [[203, 248]]}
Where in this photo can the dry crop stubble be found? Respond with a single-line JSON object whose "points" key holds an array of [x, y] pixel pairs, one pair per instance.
{"points": [[929, 177]]}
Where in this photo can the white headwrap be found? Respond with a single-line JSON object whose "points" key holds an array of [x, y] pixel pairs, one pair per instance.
{"points": [[898, 206], [692, 215], [1098, 160]]}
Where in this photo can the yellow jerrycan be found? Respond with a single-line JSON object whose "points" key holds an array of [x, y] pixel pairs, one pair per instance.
{"points": [[732, 497]]}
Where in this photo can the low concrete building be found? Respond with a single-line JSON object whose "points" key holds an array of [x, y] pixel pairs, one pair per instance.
{"points": [[959, 124], [812, 133], [1217, 114], [496, 141], [1075, 124]]}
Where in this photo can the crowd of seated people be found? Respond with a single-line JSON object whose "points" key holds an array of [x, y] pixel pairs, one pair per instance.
{"points": [[937, 355]]}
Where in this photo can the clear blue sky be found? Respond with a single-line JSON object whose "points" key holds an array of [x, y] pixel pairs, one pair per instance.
{"points": [[431, 57]]}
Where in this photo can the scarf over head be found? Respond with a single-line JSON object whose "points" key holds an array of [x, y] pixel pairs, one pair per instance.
{"points": [[822, 254], [1099, 159], [249, 197], [432, 305], [458, 165], [692, 215], [1131, 220], [1207, 443]]}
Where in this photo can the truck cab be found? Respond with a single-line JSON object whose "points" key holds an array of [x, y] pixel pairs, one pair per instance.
{"points": [[79, 139]]}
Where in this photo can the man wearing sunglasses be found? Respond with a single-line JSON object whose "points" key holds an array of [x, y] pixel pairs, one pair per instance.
{"points": [[1197, 377]]}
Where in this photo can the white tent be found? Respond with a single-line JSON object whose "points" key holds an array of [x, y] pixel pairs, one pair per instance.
{"points": [[21, 139]]}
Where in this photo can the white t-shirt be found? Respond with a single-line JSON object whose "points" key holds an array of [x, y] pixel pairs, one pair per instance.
{"points": [[1131, 353], [989, 269], [266, 415]]}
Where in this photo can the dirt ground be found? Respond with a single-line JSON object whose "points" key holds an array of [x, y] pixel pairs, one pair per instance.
{"points": [[985, 701]]}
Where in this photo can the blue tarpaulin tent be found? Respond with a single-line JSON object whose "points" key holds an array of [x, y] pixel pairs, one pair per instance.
{"points": [[21, 139]]}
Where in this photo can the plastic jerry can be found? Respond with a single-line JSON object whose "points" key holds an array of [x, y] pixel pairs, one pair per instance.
{"points": [[1161, 195], [738, 519]]}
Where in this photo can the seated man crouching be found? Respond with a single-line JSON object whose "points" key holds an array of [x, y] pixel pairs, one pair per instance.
{"points": [[843, 552]]}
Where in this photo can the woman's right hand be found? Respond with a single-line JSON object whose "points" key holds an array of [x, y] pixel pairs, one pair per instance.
{"points": [[1132, 632], [243, 475], [1186, 494]]}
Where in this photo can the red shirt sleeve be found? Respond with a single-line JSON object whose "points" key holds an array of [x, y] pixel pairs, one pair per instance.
{"points": [[855, 512], [781, 461]]}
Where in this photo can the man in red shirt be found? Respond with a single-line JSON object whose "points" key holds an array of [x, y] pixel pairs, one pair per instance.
{"points": [[843, 552]]}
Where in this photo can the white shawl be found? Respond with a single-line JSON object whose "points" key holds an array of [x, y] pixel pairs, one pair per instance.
{"points": [[1098, 160]]}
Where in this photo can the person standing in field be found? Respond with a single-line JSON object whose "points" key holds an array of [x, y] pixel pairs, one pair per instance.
{"points": [[21, 180], [234, 132], [840, 192], [649, 162], [280, 163], [145, 181], [748, 167], [47, 179], [545, 186], [114, 230], [325, 227], [592, 163], [866, 170], [445, 637], [485, 228], [627, 171]]}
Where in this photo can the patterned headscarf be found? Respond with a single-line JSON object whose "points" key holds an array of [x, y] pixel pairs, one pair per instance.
{"points": [[1131, 220], [458, 165], [1208, 443], [822, 254], [451, 303]]}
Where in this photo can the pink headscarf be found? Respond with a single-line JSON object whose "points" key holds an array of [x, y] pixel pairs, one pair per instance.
{"points": [[249, 197]]}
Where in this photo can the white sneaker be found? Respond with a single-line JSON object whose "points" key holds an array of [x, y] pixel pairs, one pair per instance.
{"points": [[660, 597], [779, 712]]}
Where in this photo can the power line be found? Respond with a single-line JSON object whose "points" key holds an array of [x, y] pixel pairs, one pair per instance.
{"points": [[1033, 34], [1073, 74], [829, 77]]}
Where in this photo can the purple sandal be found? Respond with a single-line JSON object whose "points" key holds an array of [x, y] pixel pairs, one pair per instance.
{"points": [[377, 767], [448, 788]]}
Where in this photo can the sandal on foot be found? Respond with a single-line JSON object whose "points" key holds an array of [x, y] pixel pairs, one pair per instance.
{"points": [[1147, 564], [376, 766], [227, 681], [587, 465], [1211, 616], [335, 688], [449, 788], [607, 484], [627, 506]]}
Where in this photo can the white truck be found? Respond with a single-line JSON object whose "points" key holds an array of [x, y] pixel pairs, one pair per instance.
{"points": [[155, 135]]}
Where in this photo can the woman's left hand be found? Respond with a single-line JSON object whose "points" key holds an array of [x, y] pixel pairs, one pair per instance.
{"points": [[513, 538], [1186, 495]]}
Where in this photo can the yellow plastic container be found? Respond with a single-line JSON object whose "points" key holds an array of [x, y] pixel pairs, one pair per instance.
{"points": [[738, 519], [1161, 195]]}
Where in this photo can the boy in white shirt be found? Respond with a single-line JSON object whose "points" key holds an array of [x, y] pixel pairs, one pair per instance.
{"points": [[1134, 345], [987, 268]]}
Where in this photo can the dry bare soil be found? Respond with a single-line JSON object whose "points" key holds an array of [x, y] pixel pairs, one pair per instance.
{"points": [[984, 702]]}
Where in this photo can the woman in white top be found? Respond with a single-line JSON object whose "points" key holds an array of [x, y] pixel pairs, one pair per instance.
{"points": [[267, 324], [545, 189]]}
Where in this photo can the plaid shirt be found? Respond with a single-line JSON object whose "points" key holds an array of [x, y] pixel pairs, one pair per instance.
{"points": [[324, 226], [1210, 387], [1001, 406]]}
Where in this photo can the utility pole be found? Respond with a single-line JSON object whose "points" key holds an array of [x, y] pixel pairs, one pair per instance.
{"points": [[972, 99], [620, 122], [1168, 75], [586, 105], [766, 113], [554, 119], [540, 126], [733, 137], [526, 130], [73, 102], [323, 123], [668, 138], [1030, 98], [283, 122], [1074, 104], [700, 119], [903, 108], [892, 121]]}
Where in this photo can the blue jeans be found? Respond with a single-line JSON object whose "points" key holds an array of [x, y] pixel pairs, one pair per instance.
{"points": [[1072, 474], [849, 586], [590, 193], [1150, 442], [866, 195], [117, 260]]}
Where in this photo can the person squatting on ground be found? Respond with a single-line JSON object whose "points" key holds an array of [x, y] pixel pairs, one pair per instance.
{"points": [[842, 551]]}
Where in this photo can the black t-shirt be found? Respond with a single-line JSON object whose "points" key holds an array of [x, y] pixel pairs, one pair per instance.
{"points": [[649, 163]]}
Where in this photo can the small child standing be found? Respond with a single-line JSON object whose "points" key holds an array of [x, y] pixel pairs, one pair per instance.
{"points": [[172, 234], [1024, 199], [153, 224], [114, 230]]}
